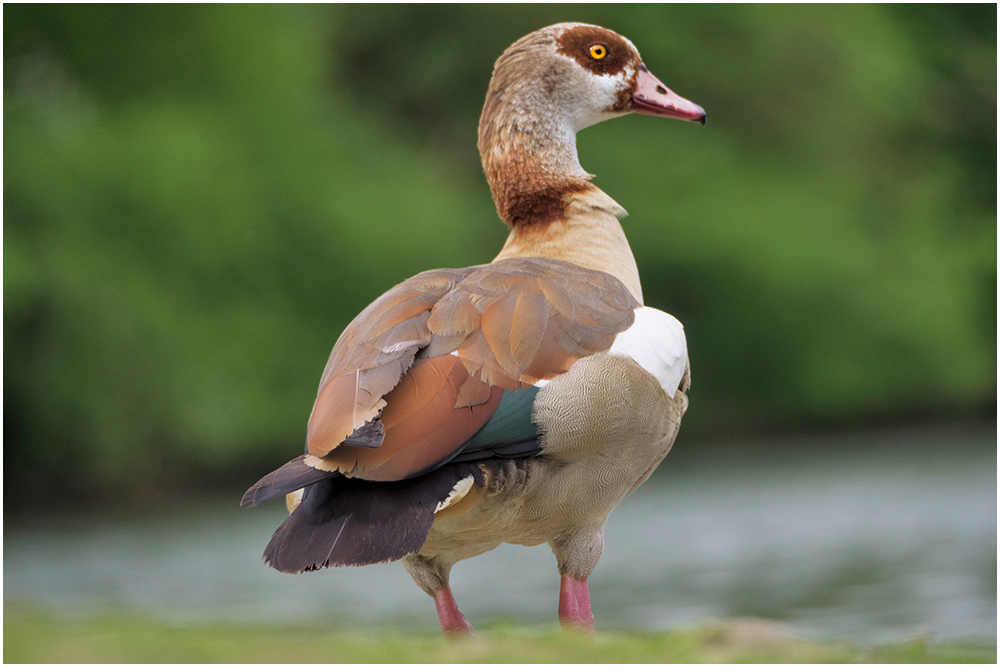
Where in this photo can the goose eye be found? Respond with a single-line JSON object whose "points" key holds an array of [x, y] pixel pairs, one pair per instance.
{"points": [[598, 51]]}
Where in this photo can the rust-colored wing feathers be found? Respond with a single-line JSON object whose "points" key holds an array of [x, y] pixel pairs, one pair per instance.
{"points": [[522, 320], [371, 356], [422, 425], [513, 327], [431, 358]]}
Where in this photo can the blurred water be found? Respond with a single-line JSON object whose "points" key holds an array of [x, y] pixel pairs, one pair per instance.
{"points": [[870, 538]]}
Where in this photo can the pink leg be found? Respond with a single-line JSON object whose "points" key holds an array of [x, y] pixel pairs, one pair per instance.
{"points": [[574, 606], [453, 623]]}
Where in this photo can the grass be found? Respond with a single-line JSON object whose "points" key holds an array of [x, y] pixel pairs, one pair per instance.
{"points": [[30, 636]]}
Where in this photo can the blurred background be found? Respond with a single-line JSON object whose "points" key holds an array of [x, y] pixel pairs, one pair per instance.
{"points": [[198, 199]]}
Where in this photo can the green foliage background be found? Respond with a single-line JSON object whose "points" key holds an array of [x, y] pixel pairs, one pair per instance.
{"points": [[197, 199]]}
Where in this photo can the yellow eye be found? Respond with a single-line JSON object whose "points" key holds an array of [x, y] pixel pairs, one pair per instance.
{"points": [[598, 51]]}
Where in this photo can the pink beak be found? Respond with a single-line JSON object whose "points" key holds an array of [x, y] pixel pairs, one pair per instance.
{"points": [[651, 97]]}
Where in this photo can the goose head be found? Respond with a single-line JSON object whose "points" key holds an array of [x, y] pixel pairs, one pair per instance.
{"points": [[545, 88]]}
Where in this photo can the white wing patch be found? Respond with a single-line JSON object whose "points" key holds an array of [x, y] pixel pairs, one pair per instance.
{"points": [[458, 492], [656, 341]]}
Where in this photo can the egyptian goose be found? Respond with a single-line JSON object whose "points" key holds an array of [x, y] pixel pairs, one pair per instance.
{"points": [[518, 401]]}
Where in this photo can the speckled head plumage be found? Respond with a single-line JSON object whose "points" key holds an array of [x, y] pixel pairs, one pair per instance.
{"points": [[546, 87]]}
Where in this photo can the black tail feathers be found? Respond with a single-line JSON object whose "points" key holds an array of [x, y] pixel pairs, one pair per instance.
{"points": [[343, 521], [292, 476]]}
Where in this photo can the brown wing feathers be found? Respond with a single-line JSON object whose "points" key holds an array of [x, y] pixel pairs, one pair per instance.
{"points": [[422, 425], [371, 356], [429, 360], [524, 320]]}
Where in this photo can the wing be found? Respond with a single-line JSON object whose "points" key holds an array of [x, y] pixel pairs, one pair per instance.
{"points": [[370, 358], [517, 321], [424, 368]]}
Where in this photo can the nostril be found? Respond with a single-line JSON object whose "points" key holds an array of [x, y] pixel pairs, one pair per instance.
{"points": [[661, 90]]}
